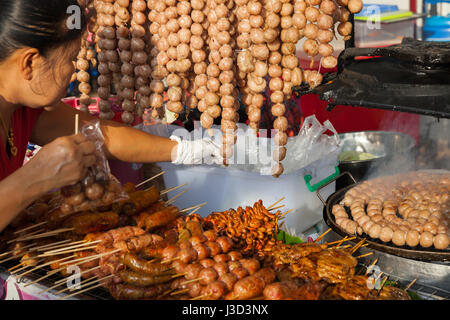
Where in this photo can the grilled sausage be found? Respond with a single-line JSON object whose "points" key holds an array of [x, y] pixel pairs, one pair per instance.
{"points": [[130, 292], [143, 280], [89, 222], [161, 218], [139, 265]]}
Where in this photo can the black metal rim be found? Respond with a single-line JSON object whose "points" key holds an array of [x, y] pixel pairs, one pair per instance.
{"points": [[420, 254]]}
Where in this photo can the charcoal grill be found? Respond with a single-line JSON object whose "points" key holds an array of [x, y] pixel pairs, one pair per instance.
{"points": [[410, 77]]}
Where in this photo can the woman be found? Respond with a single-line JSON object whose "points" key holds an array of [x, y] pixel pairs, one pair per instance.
{"points": [[36, 53]]}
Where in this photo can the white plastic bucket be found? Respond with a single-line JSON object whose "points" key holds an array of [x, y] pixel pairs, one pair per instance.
{"points": [[225, 188]]}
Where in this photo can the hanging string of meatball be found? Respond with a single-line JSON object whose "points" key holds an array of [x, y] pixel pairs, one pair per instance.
{"points": [[125, 87], [227, 80], [260, 52], [276, 84], [158, 55], [106, 45], [83, 76], [142, 69], [198, 54]]}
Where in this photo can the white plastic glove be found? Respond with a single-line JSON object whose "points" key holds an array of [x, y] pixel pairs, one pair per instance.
{"points": [[203, 151]]}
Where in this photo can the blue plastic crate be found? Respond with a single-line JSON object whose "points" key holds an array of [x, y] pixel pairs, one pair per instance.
{"points": [[437, 29]]}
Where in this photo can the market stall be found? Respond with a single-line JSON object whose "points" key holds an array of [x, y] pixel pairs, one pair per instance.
{"points": [[237, 231]]}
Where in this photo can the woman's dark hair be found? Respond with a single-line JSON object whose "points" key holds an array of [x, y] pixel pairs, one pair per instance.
{"points": [[40, 24]]}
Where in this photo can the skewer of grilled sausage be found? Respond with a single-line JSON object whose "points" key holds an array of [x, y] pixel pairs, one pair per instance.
{"points": [[280, 290], [143, 280], [252, 286], [161, 218], [139, 265], [130, 292], [90, 222], [142, 216], [137, 201], [138, 243]]}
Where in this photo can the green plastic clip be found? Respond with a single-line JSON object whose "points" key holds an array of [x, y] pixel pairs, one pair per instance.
{"points": [[313, 188]]}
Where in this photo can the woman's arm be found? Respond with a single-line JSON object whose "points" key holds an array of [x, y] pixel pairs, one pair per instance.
{"points": [[18, 191], [121, 142]]}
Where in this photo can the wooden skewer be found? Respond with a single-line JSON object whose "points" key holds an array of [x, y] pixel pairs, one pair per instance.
{"points": [[31, 227], [194, 207], [44, 277], [178, 275], [46, 264], [172, 200], [273, 205], [86, 281], [201, 297], [154, 260], [283, 215], [44, 235], [172, 189], [369, 268], [382, 284], [277, 207], [378, 277], [322, 235], [179, 292], [65, 252], [28, 235], [77, 121], [12, 251], [364, 255], [83, 260], [343, 247], [85, 290], [50, 273], [51, 245], [85, 243], [25, 267], [12, 257], [15, 267], [18, 270], [80, 292], [190, 281], [148, 180], [164, 294], [83, 284], [60, 282], [357, 246], [193, 211], [410, 284], [339, 242]]}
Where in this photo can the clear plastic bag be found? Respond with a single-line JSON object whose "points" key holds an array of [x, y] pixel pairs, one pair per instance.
{"points": [[99, 188]]}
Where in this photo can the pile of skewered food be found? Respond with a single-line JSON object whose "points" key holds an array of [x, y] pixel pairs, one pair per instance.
{"points": [[411, 209], [200, 54], [253, 229], [180, 257]]}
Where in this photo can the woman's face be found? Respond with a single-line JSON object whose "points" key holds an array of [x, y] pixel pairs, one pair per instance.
{"points": [[52, 76], [39, 81]]}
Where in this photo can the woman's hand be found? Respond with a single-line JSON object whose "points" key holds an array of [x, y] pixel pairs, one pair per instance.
{"points": [[64, 161], [203, 151]]}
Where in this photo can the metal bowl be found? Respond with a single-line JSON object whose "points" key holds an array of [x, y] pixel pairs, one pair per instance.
{"points": [[393, 151]]}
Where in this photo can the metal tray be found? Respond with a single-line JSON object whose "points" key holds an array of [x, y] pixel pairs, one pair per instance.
{"points": [[418, 253]]}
